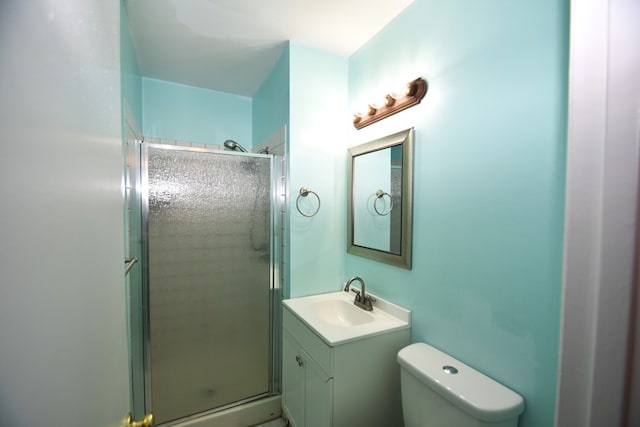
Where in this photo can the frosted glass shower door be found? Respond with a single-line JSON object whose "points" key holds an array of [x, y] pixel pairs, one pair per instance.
{"points": [[209, 269]]}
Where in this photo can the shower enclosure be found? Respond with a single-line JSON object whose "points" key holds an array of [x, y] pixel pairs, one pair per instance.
{"points": [[208, 293]]}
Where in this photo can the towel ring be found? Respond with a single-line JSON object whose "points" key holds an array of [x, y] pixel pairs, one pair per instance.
{"points": [[379, 195], [304, 192]]}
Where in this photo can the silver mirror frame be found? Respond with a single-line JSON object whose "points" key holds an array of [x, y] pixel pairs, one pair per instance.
{"points": [[404, 259]]}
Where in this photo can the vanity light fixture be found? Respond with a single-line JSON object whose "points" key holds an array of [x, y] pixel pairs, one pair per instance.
{"points": [[393, 103]]}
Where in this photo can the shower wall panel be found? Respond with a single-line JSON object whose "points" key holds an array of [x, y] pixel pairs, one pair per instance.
{"points": [[209, 279]]}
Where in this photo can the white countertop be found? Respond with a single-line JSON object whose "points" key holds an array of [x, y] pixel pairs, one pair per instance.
{"points": [[331, 317]]}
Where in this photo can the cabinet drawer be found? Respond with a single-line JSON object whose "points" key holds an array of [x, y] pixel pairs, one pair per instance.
{"points": [[308, 340]]}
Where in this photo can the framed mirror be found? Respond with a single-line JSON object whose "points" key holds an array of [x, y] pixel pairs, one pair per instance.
{"points": [[380, 199]]}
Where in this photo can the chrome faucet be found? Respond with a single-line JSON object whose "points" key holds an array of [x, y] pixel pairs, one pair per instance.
{"points": [[362, 300]]}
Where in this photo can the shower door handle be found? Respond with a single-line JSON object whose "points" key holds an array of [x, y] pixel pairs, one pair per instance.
{"points": [[147, 421]]}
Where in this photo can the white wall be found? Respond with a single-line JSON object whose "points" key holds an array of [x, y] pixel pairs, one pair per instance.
{"points": [[602, 186], [62, 304]]}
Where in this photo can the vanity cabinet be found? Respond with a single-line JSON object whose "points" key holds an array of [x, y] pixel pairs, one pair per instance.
{"points": [[355, 383], [308, 388]]}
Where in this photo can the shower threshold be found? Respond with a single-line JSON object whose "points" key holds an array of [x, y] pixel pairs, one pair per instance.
{"points": [[246, 414]]}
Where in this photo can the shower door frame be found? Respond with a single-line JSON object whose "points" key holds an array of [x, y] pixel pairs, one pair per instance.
{"points": [[275, 293]]}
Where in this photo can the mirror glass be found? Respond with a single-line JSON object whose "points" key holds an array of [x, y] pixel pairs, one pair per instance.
{"points": [[380, 199]]}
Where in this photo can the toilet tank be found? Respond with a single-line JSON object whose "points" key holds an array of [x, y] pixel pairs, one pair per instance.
{"points": [[440, 391]]}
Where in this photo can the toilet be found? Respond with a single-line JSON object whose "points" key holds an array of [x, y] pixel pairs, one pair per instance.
{"points": [[440, 391]]}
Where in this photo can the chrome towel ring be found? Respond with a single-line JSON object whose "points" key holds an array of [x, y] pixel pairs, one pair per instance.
{"points": [[304, 192], [380, 196]]}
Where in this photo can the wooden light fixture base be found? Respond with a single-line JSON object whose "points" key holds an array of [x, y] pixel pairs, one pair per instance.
{"points": [[416, 90]]}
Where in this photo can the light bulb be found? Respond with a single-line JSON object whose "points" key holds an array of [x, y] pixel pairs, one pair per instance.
{"points": [[389, 100], [400, 92]]}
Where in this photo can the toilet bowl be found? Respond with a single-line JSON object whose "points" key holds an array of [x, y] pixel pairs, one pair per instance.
{"points": [[440, 391]]}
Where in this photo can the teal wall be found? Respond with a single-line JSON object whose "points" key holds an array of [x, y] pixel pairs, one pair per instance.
{"points": [[489, 182], [187, 113], [270, 109], [317, 153]]}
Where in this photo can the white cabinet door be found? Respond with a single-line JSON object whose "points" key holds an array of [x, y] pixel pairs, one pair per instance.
{"points": [[293, 381], [319, 394], [307, 389]]}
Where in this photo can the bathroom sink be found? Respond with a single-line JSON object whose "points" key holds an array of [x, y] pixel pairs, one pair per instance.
{"points": [[335, 318], [340, 313]]}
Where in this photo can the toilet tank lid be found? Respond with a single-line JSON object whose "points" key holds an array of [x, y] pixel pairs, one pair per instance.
{"points": [[473, 392]]}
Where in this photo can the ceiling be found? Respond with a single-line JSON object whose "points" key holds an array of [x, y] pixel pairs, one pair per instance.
{"points": [[232, 45]]}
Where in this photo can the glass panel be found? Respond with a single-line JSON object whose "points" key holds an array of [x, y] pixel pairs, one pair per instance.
{"points": [[209, 279], [133, 231]]}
